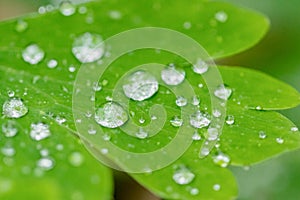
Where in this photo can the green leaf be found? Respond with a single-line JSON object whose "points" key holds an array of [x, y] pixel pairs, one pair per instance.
{"points": [[47, 93]]}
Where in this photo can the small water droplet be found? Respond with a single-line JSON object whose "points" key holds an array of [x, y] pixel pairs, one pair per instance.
{"points": [[72, 68], [45, 163], [66, 8], [60, 119], [199, 120], [262, 135], [111, 115], [183, 176], [221, 159], [187, 25], [21, 26], [294, 129], [82, 10], [44, 152], [52, 63], [258, 108], [88, 47], [142, 120], [194, 191], [14, 108], [172, 76], [216, 113], [97, 87], [181, 101], [141, 134], [176, 121], [212, 133], [33, 54], [140, 85], [76, 159], [8, 151], [39, 131], [104, 151], [196, 136], [9, 128], [11, 93], [280, 140], [216, 187], [115, 14], [195, 101], [223, 92], [92, 130], [221, 16], [200, 67], [106, 137], [230, 120]]}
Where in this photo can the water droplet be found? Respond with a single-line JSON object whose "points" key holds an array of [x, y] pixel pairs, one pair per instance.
{"points": [[294, 129], [76, 159], [221, 159], [204, 152], [176, 121], [14, 108], [45, 163], [97, 87], [199, 120], [21, 26], [141, 134], [216, 187], [140, 85], [92, 130], [187, 25], [115, 14], [9, 128], [172, 76], [258, 108], [39, 131], [8, 151], [221, 16], [142, 120], [111, 115], [223, 92], [196, 136], [33, 54], [230, 120], [67, 8], [212, 133], [200, 67], [52, 63], [183, 176], [11, 93], [60, 119], [82, 10], [216, 113], [194, 191], [181, 101], [44, 152], [106, 137], [88, 47], [262, 135], [104, 151], [72, 69], [195, 101], [280, 140]]}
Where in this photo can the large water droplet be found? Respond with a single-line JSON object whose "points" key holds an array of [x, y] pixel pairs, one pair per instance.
{"points": [[221, 16], [176, 121], [172, 76], [111, 115], [183, 176], [45, 163], [200, 67], [9, 128], [221, 159], [67, 8], [140, 85], [76, 159], [14, 108], [223, 92], [199, 120], [39, 131], [88, 47], [33, 54]]}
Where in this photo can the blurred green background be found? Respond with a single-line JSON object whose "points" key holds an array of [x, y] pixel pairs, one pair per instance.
{"points": [[278, 54]]}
